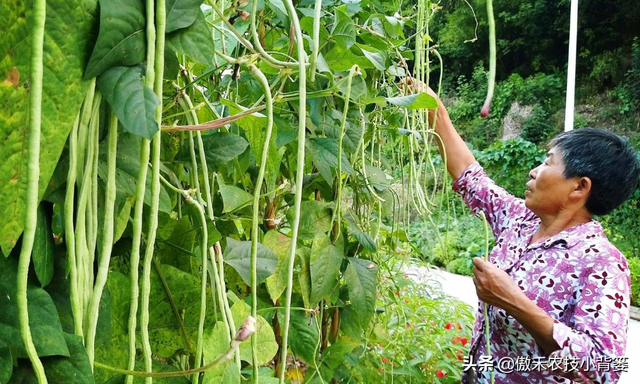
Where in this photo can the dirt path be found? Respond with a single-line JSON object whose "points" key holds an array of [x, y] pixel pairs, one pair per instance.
{"points": [[462, 288]]}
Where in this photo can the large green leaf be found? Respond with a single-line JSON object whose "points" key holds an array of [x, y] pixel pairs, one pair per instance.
{"points": [[315, 218], [175, 248], [121, 39], [215, 344], [367, 242], [377, 177], [46, 330], [219, 148], [74, 369], [376, 58], [238, 255], [6, 363], [234, 197], [304, 338], [326, 260], [132, 101], [266, 340], [166, 337], [335, 354], [304, 275], [254, 127], [67, 31], [324, 154], [344, 30], [279, 244], [352, 132], [181, 13], [43, 249], [415, 101], [196, 41], [342, 59], [361, 276], [128, 167]]}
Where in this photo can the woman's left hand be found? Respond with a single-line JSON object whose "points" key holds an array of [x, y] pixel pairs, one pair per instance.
{"points": [[494, 286]]}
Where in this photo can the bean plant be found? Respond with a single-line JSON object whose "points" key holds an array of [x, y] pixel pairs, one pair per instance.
{"points": [[185, 175]]}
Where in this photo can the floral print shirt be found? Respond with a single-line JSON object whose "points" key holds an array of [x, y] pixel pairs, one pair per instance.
{"points": [[577, 277]]}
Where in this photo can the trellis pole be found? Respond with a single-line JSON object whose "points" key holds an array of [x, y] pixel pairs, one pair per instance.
{"points": [[571, 68]]}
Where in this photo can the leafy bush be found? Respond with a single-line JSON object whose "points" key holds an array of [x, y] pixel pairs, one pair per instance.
{"points": [[454, 248], [508, 163], [537, 127], [634, 267], [421, 335]]}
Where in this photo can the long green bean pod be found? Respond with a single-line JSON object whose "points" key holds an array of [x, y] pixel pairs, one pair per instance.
{"points": [[160, 20], [264, 83], [203, 292], [225, 302], [107, 238], [33, 175], [70, 239], [256, 41], [313, 61], [145, 149], [85, 117], [203, 161], [492, 59], [302, 117], [81, 241], [347, 97]]}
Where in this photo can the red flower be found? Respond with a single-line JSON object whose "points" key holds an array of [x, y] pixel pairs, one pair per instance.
{"points": [[380, 370], [459, 327], [460, 357], [439, 373], [384, 360], [447, 354], [455, 339], [448, 326], [396, 293], [406, 301], [463, 340]]}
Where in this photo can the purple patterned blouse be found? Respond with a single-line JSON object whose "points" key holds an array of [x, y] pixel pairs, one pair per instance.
{"points": [[577, 277]]}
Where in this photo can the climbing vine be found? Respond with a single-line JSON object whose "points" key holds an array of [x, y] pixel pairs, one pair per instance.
{"points": [[263, 157]]}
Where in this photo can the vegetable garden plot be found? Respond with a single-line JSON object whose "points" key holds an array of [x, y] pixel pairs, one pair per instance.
{"points": [[181, 176]]}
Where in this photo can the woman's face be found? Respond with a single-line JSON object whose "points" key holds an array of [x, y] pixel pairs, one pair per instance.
{"points": [[548, 190]]}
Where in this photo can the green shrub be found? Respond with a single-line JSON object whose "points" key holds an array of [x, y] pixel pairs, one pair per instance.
{"points": [[508, 163], [537, 127], [418, 331], [634, 267]]}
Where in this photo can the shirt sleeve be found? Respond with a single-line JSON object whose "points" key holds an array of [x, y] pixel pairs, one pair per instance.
{"points": [[481, 193], [596, 343]]}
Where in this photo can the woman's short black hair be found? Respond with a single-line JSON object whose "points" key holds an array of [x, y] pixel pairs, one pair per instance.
{"points": [[604, 157]]}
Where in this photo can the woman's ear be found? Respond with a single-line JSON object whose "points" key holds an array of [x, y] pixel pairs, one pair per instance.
{"points": [[583, 188]]}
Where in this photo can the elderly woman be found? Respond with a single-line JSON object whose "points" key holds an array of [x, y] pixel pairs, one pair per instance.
{"points": [[557, 290]]}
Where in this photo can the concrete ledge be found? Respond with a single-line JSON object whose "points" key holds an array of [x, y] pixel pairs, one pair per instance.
{"points": [[635, 313]]}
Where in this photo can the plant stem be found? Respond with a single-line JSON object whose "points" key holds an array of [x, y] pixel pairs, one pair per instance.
{"points": [[302, 116], [107, 238], [221, 359], [33, 175]]}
